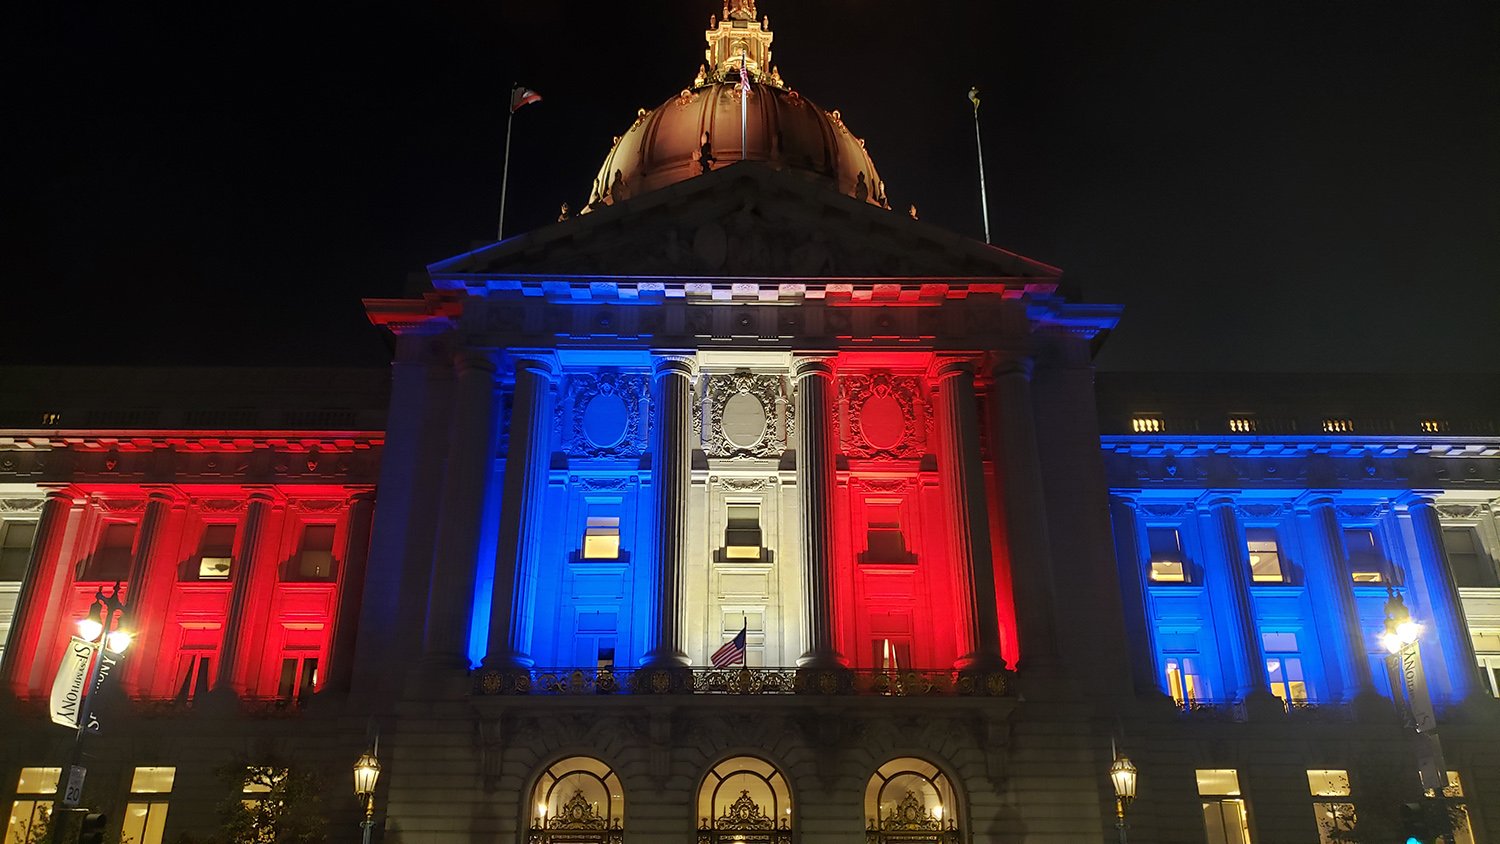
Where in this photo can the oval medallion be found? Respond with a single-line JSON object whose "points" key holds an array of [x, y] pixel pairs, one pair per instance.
{"points": [[882, 422], [744, 422], [604, 420]]}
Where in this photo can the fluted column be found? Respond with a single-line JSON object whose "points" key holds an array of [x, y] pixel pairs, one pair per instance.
{"points": [[36, 591], [969, 529], [671, 464], [1448, 624], [139, 615], [1332, 586], [470, 439], [1229, 590], [1140, 627], [351, 585], [1020, 481], [816, 444], [246, 570], [521, 510]]}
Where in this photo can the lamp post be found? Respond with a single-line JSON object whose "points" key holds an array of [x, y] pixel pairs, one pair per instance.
{"points": [[366, 772], [1402, 638], [102, 631], [1122, 775]]}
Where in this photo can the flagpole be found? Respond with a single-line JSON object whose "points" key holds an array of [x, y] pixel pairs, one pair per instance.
{"points": [[505, 176], [744, 105], [984, 202]]}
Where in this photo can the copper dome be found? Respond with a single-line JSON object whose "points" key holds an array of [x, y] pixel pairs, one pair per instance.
{"points": [[667, 145]]}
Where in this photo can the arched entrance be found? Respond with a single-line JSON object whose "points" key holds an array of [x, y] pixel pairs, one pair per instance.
{"points": [[577, 800], [910, 801], [747, 800]]}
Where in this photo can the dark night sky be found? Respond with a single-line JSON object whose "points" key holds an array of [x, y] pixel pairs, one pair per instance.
{"points": [[1278, 186]]}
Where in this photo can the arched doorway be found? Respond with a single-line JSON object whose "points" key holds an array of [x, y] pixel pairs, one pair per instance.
{"points": [[577, 800], [747, 800], [910, 801]]}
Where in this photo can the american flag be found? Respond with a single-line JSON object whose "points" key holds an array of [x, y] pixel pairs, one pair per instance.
{"points": [[733, 650], [744, 74], [522, 96]]}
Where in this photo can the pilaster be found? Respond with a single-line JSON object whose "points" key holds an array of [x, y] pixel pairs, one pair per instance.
{"points": [[1229, 590], [672, 377]]}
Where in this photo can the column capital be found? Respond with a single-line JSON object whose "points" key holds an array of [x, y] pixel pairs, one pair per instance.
{"points": [[1417, 498], [1314, 499], [480, 360], [665, 363], [1012, 363], [1217, 498], [1125, 500], [263, 495], [68, 493], [169, 495], [540, 362], [945, 366], [808, 364]]}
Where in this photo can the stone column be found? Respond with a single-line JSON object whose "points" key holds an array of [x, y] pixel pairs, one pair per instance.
{"points": [[1332, 587], [351, 585], [247, 569], [1014, 437], [969, 528], [521, 510], [36, 592], [139, 614], [815, 444], [471, 437], [1228, 570], [1140, 627], [1448, 625], [671, 464]]}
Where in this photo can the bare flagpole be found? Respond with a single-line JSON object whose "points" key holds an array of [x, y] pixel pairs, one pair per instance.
{"points": [[505, 173], [984, 202]]}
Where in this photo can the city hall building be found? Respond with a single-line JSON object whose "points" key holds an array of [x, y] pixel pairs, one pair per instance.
{"points": [[743, 508]]}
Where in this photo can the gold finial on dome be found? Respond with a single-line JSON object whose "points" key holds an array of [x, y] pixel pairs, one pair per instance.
{"points": [[739, 37]]}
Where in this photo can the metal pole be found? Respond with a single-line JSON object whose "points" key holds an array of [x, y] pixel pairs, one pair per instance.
{"points": [[369, 821], [505, 176], [744, 106], [1120, 818], [75, 754], [984, 205]]}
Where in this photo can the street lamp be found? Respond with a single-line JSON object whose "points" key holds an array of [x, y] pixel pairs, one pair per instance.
{"points": [[1400, 629], [366, 772], [102, 630], [1122, 774]]}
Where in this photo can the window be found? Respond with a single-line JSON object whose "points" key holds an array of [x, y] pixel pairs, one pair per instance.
{"points": [[1466, 557], [111, 558], [1338, 425], [744, 799], [742, 537], [1242, 424], [299, 678], [601, 532], [577, 800], [594, 632], [31, 812], [1463, 831], [1487, 648], [214, 552], [911, 800], [1265, 555], [1223, 807], [1166, 555], [891, 654], [1144, 423], [15, 549], [884, 540], [146, 813], [1184, 681], [1284, 668], [1333, 816], [1367, 562], [195, 670], [315, 561]]}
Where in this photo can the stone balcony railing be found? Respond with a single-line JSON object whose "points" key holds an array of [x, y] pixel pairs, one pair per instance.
{"points": [[741, 681]]}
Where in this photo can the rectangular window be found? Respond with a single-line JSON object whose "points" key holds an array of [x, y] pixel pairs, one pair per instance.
{"points": [[742, 537], [1335, 818], [195, 674], [1367, 563], [315, 559], [1265, 555], [1284, 668], [299, 678], [146, 813], [31, 812], [15, 549], [1184, 682], [1223, 808], [1466, 557], [111, 557], [601, 532], [215, 551], [1166, 555], [1487, 648], [1463, 831], [892, 654], [884, 540]]}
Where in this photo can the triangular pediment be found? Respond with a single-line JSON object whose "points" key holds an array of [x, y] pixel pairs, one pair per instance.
{"points": [[744, 221]]}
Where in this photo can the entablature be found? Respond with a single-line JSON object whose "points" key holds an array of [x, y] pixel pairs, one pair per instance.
{"points": [[190, 457]]}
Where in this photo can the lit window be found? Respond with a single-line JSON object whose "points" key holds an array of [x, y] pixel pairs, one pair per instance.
{"points": [[1463, 831], [51, 419], [195, 674], [1367, 563], [146, 813], [1147, 424], [315, 560], [1335, 818], [1184, 682], [1284, 668], [1166, 556], [15, 548], [892, 654], [31, 812], [1242, 425], [1434, 426], [299, 678], [1471, 567], [884, 540], [1223, 808], [214, 552], [1265, 555], [601, 533], [1487, 648], [1337, 425], [111, 558], [742, 537]]}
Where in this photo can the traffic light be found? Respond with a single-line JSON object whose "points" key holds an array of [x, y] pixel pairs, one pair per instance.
{"points": [[92, 831], [1414, 824]]}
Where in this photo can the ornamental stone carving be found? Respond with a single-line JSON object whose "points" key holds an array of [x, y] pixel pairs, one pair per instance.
{"points": [[21, 505], [604, 415], [748, 415], [1461, 511], [882, 416], [742, 484]]}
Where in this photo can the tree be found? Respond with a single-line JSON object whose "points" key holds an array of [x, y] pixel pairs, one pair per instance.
{"points": [[273, 804]]}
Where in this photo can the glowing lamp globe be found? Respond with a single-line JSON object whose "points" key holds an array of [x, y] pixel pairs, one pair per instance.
{"points": [[366, 772], [1122, 774], [117, 641], [90, 628]]}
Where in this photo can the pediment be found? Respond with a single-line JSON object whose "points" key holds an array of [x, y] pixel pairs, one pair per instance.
{"points": [[746, 221]]}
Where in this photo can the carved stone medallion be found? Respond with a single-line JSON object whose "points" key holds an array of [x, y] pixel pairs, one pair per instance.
{"points": [[749, 415], [603, 414], [882, 416]]}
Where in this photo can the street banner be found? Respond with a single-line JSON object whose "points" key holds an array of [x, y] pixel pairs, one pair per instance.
{"points": [[107, 662], [1417, 696], [68, 686]]}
